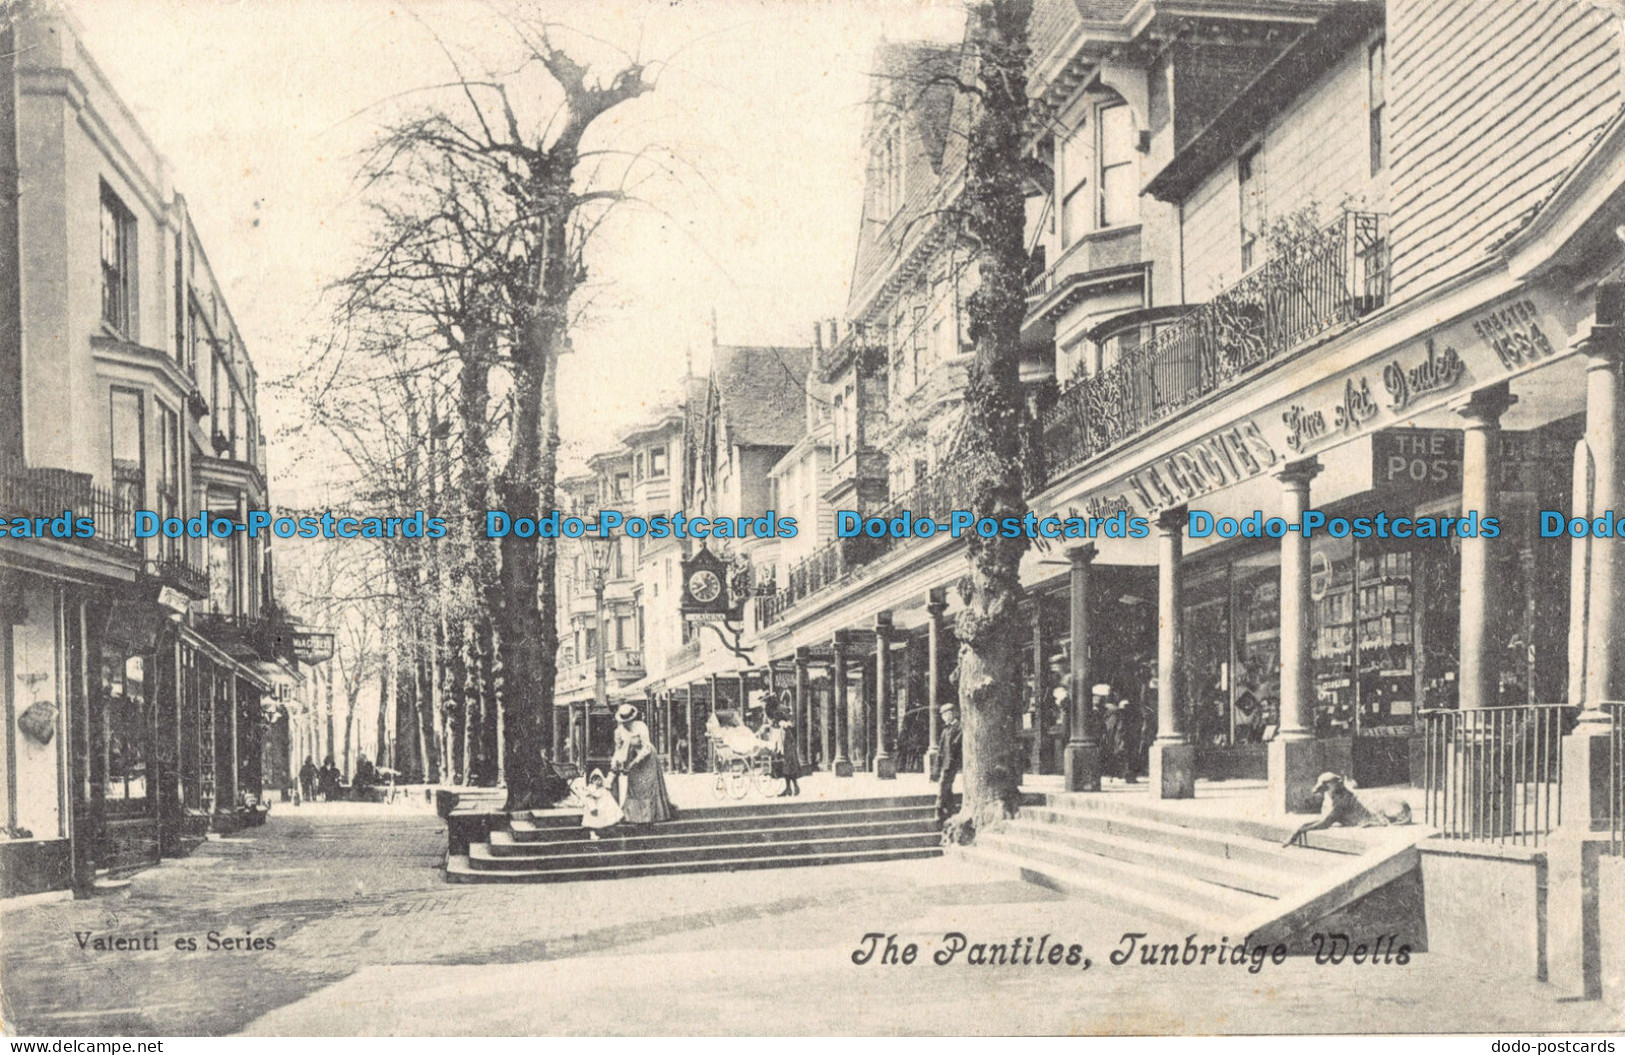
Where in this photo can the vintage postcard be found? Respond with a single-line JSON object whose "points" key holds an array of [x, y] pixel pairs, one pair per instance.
{"points": [[812, 517]]}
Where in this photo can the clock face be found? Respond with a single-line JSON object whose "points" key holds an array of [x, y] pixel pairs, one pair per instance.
{"points": [[704, 586]]}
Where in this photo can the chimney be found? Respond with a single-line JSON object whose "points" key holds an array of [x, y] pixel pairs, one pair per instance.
{"points": [[818, 336]]}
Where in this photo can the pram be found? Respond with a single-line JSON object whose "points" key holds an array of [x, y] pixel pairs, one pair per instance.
{"points": [[742, 759]]}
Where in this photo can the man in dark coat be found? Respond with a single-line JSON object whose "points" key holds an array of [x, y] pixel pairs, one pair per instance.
{"points": [[307, 780], [951, 756]]}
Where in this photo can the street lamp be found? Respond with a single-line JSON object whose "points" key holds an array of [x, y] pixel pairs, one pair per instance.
{"points": [[598, 552]]}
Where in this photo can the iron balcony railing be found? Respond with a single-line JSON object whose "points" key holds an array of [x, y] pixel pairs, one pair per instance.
{"points": [[934, 497], [1616, 777], [176, 568], [35, 493], [1329, 280], [1495, 774], [1325, 283]]}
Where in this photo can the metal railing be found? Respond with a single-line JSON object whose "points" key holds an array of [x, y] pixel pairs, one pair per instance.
{"points": [[1495, 774], [176, 568], [933, 497], [1296, 296], [1616, 777], [26, 492]]}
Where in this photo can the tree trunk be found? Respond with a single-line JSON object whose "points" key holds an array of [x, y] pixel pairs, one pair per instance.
{"points": [[990, 629]]}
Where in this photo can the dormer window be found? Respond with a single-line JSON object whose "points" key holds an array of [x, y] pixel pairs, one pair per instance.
{"points": [[891, 174]]}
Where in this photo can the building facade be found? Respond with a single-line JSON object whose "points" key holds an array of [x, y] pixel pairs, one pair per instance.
{"points": [[141, 673], [1287, 256]]}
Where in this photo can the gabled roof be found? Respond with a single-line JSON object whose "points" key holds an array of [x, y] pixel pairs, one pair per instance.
{"points": [[762, 393]]}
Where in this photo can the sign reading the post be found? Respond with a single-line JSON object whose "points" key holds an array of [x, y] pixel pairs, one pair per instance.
{"points": [[311, 646]]}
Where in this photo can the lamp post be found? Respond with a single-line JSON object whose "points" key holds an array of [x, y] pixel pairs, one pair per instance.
{"points": [[598, 552]]}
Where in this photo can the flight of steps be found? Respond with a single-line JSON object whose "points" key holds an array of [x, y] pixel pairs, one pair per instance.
{"points": [[552, 847], [1212, 873]]}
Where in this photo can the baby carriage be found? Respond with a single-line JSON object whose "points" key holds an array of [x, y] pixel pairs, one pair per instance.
{"points": [[742, 759]]}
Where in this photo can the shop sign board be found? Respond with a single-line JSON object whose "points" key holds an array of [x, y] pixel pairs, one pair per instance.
{"points": [[312, 646]]}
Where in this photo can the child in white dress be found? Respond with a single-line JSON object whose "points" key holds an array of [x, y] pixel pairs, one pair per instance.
{"points": [[601, 810]]}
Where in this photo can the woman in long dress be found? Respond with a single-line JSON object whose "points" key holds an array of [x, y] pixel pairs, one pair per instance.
{"points": [[646, 801]]}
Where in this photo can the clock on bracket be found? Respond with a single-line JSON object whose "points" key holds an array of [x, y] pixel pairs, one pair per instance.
{"points": [[705, 585]]}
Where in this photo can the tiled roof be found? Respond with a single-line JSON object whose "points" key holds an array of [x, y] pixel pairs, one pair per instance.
{"points": [[762, 393]]}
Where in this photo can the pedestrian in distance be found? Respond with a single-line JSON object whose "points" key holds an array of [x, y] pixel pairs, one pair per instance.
{"points": [[951, 756], [307, 780], [599, 810], [790, 756]]}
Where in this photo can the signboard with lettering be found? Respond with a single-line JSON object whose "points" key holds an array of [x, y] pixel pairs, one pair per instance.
{"points": [[1430, 459], [312, 646]]}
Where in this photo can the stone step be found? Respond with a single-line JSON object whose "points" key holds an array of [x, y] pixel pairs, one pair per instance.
{"points": [[661, 836], [702, 822], [1265, 831], [1155, 841], [1146, 907], [774, 808], [482, 858], [459, 869], [1045, 852]]}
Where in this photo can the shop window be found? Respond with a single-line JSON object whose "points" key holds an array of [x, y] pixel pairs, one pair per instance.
{"points": [[118, 264], [129, 447], [1206, 658], [127, 738], [1256, 636], [1119, 166], [36, 697]]}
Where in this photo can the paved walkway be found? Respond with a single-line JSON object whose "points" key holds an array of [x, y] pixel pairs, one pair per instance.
{"points": [[369, 939]]}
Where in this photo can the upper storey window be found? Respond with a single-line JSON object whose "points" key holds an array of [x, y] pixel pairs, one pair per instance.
{"points": [[1250, 181], [118, 264], [1377, 98], [1119, 166]]}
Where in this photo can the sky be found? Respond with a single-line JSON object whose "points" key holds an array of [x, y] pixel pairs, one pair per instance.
{"points": [[265, 109]]}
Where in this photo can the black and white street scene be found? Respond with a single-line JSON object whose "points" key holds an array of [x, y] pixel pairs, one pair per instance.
{"points": [[770, 517]]}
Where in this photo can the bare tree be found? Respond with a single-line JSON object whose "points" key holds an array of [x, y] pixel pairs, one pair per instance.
{"points": [[538, 180]]}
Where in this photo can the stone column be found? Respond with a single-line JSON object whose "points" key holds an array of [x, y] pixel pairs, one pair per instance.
{"points": [[885, 759], [1294, 754], [935, 607], [1082, 750], [1173, 756], [1040, 672], [1585, 750], [843, 746], [688, 703], [1480, 475], [799, 717]]}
